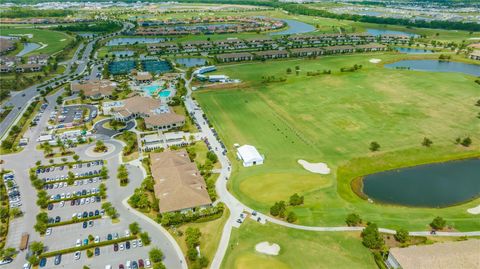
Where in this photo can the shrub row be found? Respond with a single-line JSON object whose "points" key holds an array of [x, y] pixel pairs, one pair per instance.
{"points": [[72, 221], [94, 245]]}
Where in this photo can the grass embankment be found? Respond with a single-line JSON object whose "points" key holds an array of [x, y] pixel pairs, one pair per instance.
{"points": [[130, 151], [298, 249], [333, 119], [211, 234]]}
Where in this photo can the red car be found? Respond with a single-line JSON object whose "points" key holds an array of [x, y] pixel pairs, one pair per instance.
{"points": [[121, 266], [140, 263], [115, 247]]}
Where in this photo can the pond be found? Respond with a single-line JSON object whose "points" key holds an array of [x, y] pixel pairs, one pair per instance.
{"points": [[134, 40], [27, 48], [377, 32], [432, 185], [295, 27], [191, 62], [413, 51], [436, 66]]}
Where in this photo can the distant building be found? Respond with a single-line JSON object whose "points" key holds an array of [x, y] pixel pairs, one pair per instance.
{"points": [[178, 183], [143, 77], [475, 55], [234, 57], [95, 89], [218, 78], [462, 254], [249, 155], [6, 45]]}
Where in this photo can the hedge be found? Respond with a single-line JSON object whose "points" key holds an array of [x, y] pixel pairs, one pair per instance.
{"points": [[94, 245], [72, 221], [73, 198]]}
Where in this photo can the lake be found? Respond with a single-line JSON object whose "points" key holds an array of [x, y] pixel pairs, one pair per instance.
{"points": [[27, 48], [191, 62], [413, 51], [295, 27], [377, 32], [436, 66], [134, 40], [432, 185]]}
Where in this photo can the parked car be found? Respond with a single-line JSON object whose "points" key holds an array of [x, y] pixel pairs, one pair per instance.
{"points": [[85, 225], [43, 262], [58, 259], [127, 245], [140, 263], [115, 247], [77, 255], [97, 251]]}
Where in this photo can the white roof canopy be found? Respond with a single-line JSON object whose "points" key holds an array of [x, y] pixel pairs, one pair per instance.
{"points": [[249, 153]]}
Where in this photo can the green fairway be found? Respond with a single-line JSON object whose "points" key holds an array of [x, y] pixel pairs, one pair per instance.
{"points": [[51, 41], [298, 249], [333, 119]]}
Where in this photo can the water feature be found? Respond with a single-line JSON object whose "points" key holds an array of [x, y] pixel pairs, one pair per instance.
{"points": [[295, 27], [432, 185], [150, 89], [413, 51], [377, 32], [27, 48], [436, 66], [134, 40], [164, 94], [191, 62]]}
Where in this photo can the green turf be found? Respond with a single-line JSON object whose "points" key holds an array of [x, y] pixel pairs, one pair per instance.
{"points": [[333, 119], [54, 40], [298, 249]]}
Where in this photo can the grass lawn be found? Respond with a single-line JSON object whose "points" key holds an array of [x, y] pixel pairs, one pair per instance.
{"points": [[298, 249], [211, 234], [54, 40], [333, 119]]}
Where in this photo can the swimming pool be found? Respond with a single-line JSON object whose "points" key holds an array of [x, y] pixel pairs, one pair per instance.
{"points": [[150, 89], [164, 94]]}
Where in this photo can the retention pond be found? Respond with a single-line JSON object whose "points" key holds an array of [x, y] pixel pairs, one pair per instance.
{"points": [[432, 185]]}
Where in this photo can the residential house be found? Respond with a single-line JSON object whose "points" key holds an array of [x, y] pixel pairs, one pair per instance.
{"points": [[234, 57]]}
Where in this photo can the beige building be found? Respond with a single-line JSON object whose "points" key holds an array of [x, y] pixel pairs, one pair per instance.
{"points": [[157, 116], [178, 183], [461, 254], [95, 89], [143, 77], [475, 55]]}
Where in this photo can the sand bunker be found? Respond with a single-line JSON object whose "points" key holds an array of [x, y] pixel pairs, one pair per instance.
{"points": [[375, 61], [318, 168], [267, 248], [474, 210]]}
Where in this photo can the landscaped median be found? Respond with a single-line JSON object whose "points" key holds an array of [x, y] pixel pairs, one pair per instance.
{"points": [[72, 221], [89, 246]]}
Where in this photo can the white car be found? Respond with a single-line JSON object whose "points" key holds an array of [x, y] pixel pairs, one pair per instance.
{"points": [[127, 233], [97, 239], [49, 231], [78, 243], [140, 243], [27, 266], [148, 264], [121, 247], [77, 255], [75, 183], [134, 243], [62, 203], [62, 196]]}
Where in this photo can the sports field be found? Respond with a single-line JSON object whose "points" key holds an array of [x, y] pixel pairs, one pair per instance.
{"points": [[332, 119], [298, 249], [51, 41]]}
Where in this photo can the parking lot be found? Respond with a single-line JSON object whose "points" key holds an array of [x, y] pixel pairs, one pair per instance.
{"points": [[13, 192], [73, 115], [77, 234]]}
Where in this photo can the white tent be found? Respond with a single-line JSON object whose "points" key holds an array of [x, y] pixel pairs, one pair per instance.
{"points": [[249, 155]]}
